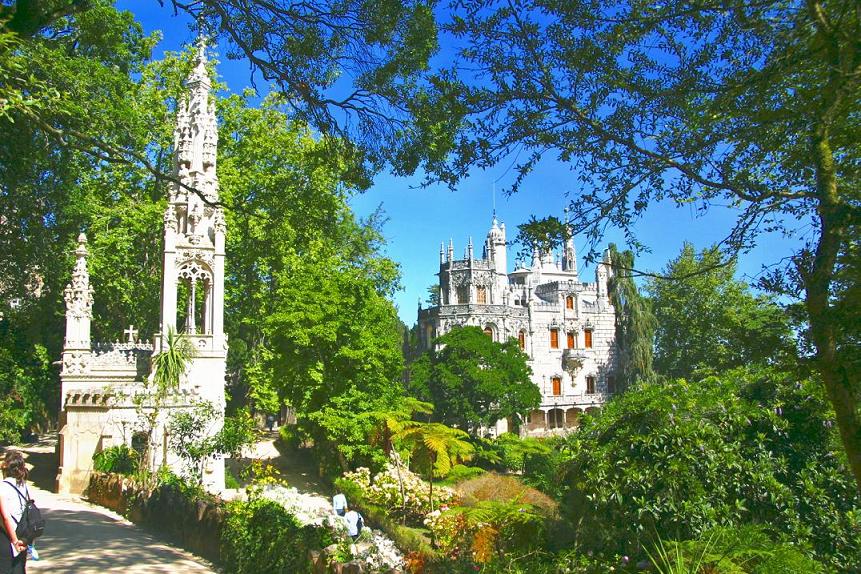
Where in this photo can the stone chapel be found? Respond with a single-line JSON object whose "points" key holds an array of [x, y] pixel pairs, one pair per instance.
{"points": [[565, 325], [103, 384]]}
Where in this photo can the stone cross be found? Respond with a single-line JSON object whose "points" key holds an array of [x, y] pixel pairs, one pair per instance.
{"points": [[131, 333]]}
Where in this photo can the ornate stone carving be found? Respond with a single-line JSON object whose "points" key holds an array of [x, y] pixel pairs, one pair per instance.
{"points": [[75, 363], [170, 218], [218, 221], [194, 270], [483, 278], [78, 294], [204, 256]]}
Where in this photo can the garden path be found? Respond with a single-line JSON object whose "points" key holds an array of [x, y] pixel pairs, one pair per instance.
{"points": [[83, 538]]}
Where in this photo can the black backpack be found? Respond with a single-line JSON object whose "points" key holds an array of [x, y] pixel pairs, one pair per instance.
{"points": [[32, 525]]}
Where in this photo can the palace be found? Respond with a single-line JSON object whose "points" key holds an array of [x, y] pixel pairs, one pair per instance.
{"points": [[106, 392], [566, 326]]}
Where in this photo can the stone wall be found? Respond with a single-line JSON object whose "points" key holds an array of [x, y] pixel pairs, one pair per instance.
{"points": [[195, 525]]}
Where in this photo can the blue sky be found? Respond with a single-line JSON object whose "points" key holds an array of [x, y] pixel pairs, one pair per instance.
{"points": [[420, 218]]}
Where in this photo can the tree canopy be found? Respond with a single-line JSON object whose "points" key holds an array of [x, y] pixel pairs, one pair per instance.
{"points": [[709, 322], [474, 381], [749, 106], [350, 70]]}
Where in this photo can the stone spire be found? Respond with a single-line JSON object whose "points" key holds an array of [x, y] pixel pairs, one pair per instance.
{"points": [[79, 301], [196, 134], [194, 223]]}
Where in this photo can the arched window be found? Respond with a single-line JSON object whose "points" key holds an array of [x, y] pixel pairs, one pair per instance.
{"points": [[488, 330], [572, 339], [590, 385], [463, 295], [557, 386], [521, 340], [554, 338], [587, 335], [569, 302]]}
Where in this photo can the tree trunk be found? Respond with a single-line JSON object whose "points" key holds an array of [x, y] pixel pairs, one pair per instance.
{"points": [[817, 278]]}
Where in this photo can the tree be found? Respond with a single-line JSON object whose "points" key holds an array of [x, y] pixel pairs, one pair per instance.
{"points": [[709, 322], [474, 381], [169, 366], [751, 446], [194, 438], [307, 50], [750, 106], [391, 422], [434, 448], [635, 322]]}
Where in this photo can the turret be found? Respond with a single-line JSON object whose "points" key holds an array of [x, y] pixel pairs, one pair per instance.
{"points": [[496, 246], [603, 272], [79, 302]]}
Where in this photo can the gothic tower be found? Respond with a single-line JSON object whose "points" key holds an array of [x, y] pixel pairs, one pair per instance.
{"points": [[192, 297]]}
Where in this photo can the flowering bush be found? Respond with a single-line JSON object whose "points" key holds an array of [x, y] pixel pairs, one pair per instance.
{"points": [[450, 529], [487, 531], [398, 489]]}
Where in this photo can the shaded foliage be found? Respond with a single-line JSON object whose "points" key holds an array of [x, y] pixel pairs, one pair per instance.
{"points": [[675, 459]]}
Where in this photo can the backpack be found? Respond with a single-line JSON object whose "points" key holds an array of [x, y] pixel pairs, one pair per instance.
{"points": [[32, 525], [360, 524]]}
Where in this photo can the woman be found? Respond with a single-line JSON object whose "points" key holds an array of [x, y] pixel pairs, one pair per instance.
{"points": [[12, 501]]}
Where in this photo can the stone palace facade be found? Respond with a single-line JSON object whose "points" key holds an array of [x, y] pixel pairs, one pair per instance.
{"points": [[106, 398], [565, 325]]}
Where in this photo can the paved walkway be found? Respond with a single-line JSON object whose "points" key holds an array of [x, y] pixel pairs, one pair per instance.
{"points": [[82, 538]]}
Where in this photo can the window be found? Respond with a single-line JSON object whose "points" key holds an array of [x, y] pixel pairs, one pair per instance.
{"points": [[569, 302], [611, 384], [554, 338], [588, 336], [572, 339], [590, 385], [521, 340], [488, 331], [463, 294], [481, 295], [557, 386]]}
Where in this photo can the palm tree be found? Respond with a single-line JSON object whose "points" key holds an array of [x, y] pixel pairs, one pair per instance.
{"points": [[435, 448], [168, 368]]}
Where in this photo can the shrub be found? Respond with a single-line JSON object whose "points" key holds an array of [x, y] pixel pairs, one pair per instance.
{"points": [[260, 536], [385, 490], [488, 531], [676, 459], [119, 459], [746, 549], [500, 488], [460, 472]]}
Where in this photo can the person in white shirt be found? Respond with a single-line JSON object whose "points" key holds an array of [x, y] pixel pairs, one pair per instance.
{"points": [[339, 503], [14, 560], [355, 523]]}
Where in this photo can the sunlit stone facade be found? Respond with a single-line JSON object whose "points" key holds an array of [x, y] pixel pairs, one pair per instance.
{"points": [[565, 325]]}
